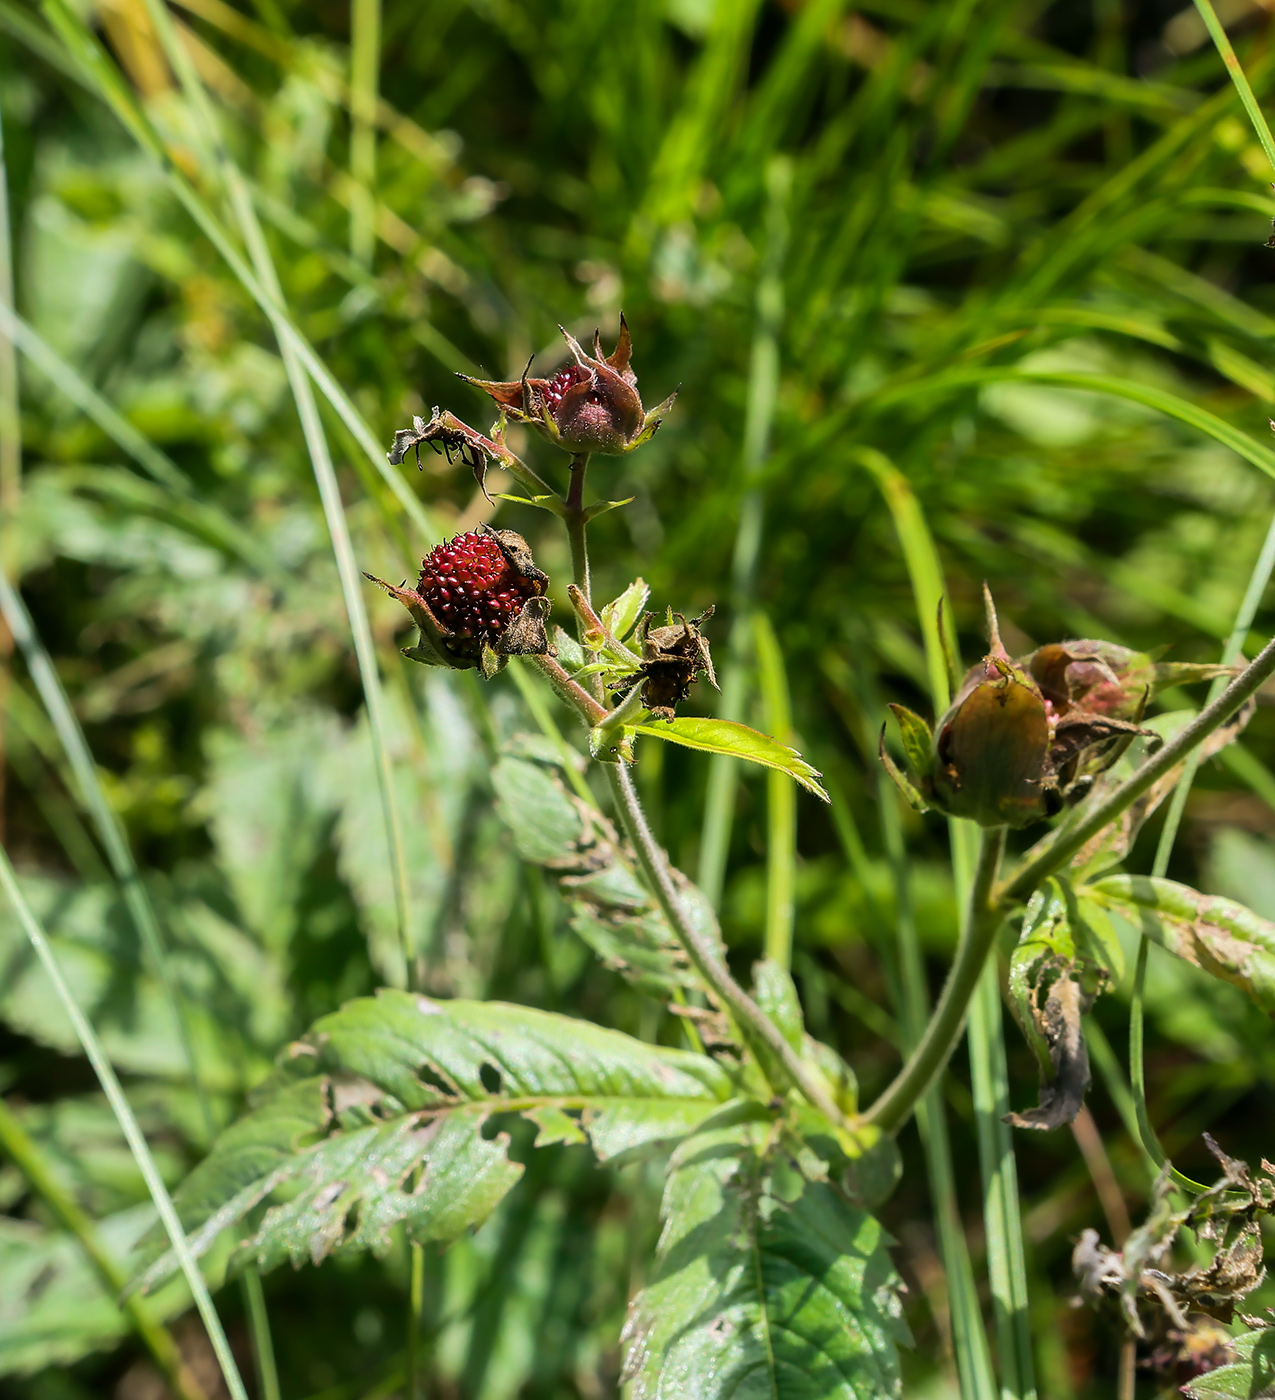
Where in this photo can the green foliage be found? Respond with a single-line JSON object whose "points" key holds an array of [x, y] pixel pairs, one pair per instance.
{"points": [[720, 736], [378, 1118], [766, 1282], [993, 273]]}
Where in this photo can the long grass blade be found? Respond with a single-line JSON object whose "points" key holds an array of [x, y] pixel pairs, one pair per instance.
{"points": [[1231, 654], [989, 1073], [365, 63], [781, 797], [17, 1145], [107, 82], [321, 461], [216, 523], [137, 1143], [110, 831], [759, 416]]}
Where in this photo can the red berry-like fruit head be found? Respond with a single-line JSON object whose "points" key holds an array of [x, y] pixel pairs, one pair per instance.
{"points": [[480, 599], [472, 588]]}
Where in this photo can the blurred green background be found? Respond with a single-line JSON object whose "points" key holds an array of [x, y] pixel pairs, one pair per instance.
{"points": [[896, 226]]}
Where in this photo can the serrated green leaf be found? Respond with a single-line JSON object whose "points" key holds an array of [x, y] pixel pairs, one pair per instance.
{"points": [[621, 615], [377, 1119], [1219, 935], [1250, 1377], [723, 736], [766, 1284]]}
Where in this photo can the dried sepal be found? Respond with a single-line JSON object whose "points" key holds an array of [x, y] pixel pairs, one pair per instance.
{"points": [[591, 405], [673, 657]]}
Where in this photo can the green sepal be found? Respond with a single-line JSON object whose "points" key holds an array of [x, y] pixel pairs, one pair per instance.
{"points": [[492, 661], [622, 613], [611, 743], [918, 739], [905, 785]]}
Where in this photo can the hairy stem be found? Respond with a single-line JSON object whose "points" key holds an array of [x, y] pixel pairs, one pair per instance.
{"points": [[590, 710], [577, 524], [982, 919], [1019, 887], [754, 1025]]}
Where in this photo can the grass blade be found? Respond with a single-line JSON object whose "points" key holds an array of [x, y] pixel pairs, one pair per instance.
{"points": [[128, 1124], [759, 417], [781, 797], [321, 461]]}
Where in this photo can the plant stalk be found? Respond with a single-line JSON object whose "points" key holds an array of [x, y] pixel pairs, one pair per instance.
{"points": [[983, 918], [577, 524], [754, 1025]]}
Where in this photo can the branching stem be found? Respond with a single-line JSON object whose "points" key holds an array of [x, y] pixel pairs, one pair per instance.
{"points": [[990, 904], [754, 1025], [982, 919]]}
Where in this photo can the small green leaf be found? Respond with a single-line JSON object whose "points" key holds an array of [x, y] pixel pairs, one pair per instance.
{"points": [[765, 1284], [918, 740], [724, 736], [395, 1090], [1219, 935], [622, 614], [601, 507], [1251, 1376], [553, 504]]}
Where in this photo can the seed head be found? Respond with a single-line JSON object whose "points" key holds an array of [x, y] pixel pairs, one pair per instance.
{"points": [[472, 588], [480, 599]]}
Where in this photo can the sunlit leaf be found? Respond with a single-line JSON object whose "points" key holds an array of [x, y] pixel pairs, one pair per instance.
{"points": [[766, 1284], [723, 736], [378, 1118]]}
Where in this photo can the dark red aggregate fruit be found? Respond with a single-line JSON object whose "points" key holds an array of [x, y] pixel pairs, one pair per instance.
{"points": [[472, 588]]}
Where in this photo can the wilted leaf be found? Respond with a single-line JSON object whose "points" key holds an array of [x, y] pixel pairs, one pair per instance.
{"points": [[377, 1119], [1219, 935], [766, 1284], [723, 736], [1049, 1001]]}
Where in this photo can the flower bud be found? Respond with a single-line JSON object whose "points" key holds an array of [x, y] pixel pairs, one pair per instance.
{"points": [[1022, 739], [1103, 678], [479, 600], [591, 405]]}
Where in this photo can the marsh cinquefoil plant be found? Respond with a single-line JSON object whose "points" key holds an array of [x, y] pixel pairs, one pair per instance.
{"points": [[771, 1275]]}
